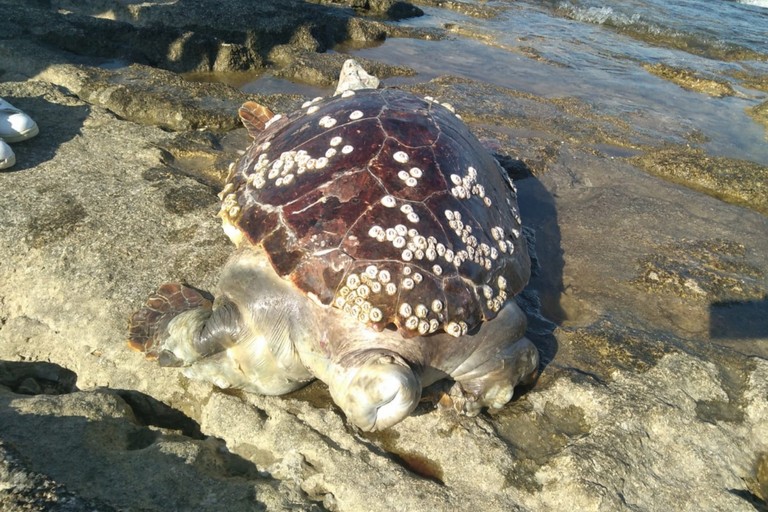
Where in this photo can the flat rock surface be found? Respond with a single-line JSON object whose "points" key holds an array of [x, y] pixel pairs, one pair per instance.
{"points": [[648, 304]]}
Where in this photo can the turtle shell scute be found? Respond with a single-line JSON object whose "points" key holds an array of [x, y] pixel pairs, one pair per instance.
{"points": [[385, 206]]}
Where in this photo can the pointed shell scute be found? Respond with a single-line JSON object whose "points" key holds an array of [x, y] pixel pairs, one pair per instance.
{"points": [[385, 206]]}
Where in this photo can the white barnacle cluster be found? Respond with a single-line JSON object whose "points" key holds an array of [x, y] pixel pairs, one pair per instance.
{"points": [[421, 317], [495, 299], [335, 143], [467, 187], [311, 105], [289, 165], [410, 177], [283, 170], [229, 204], [327, 122], [357, 295], [358, 298], [447, 106], [505, 244], [273, 120], [478, 252], [411, 215], [412, 245], [456, 329]]}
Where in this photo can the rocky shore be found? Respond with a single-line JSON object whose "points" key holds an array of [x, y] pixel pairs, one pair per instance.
{"points": [[649, 298]]}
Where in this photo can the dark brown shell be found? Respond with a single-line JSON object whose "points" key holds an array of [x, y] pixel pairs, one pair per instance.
{"points": [[384, 205]]}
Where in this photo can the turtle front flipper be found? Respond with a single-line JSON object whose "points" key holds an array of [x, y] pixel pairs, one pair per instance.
{"points": [[169, 325], [243, 340]]}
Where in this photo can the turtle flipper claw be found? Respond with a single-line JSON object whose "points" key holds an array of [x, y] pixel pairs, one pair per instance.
{"points": [[148, 329], [492, 383]]}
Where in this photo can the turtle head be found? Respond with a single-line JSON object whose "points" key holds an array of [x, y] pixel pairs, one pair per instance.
{"points": [[375, 389]]}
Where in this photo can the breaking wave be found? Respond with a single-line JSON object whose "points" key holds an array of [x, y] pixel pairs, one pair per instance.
{"points": [[654, 30], [599, 15], [603, 15], [758, 3]]}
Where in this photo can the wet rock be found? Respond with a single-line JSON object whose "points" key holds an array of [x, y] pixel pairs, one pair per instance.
{"points": [[687, 79], [202, 156], [145, 95], [655, 434], [36, 378], [392, 9], [751, 77], [477, 10], [261, 26], [140, 93], [323, 69], [738, 181], [561, 119], [760, 114], [712, 270], [64, 216], [759, 484], [184, 199]]}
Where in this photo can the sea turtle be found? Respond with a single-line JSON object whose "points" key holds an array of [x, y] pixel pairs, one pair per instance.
{"points": [[379, 248]]}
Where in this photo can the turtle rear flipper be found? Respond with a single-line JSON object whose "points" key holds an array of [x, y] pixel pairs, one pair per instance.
{"points": [[169, 312]]}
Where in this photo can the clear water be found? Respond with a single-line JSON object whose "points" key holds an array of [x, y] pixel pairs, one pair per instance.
{"points": [[594, 51]]}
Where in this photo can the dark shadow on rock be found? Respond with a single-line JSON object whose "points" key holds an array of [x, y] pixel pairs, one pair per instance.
{"points": [[541, 298], [751, 498], [384, 444], [34, 378], [43, 378], [739, 319], [30, 490], [97, 445], [150, 411], [58, 124]]}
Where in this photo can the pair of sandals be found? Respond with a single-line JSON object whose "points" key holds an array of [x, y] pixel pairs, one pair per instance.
{"points": [[15, 126]]}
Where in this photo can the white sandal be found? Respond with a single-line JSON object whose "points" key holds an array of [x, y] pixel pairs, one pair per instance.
{"points": [[15, 125], [7, 158]]}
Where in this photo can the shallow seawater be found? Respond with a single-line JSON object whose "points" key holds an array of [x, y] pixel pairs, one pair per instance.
{"points": [[596, 53]]}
